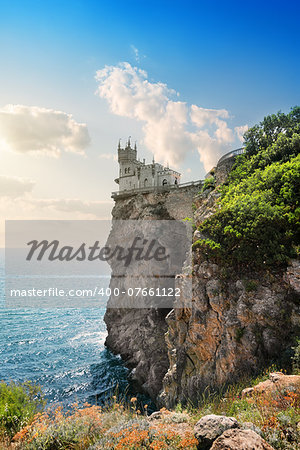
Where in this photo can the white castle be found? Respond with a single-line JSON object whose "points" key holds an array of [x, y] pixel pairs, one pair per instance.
{"points": [[134, 174]]}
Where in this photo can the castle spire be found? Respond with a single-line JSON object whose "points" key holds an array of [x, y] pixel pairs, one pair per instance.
{"points": [[128, 143], [135, 146], [119, 145], [153, 161]]}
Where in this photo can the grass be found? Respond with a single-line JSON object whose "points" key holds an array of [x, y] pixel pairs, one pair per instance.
{"points": [[273, 416], [91, 427], [125, 425]]}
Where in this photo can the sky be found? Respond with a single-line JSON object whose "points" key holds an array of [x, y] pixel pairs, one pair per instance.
{"points": [[185, 79]]}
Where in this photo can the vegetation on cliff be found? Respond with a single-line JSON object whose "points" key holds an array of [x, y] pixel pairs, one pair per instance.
{"points": [[256, 223]]}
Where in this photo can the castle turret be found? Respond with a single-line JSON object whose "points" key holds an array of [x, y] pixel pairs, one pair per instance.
{"points": [[127, 154]]}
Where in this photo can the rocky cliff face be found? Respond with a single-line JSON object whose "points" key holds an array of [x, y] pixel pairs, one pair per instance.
{"points": [[138, 335], [235, 325]]}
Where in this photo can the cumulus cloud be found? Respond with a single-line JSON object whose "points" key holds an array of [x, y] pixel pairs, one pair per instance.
{"points": [[172, 128], [14, 187], [31, 129], [240, 131], [20, 190], [203, 116]]}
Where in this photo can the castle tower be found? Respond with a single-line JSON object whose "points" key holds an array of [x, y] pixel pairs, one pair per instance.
{"points": [[128, 154], [127, 158]]}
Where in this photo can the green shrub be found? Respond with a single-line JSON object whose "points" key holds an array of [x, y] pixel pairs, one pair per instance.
{"points": [[250, 285], [19, 402], [208, 183], [256, 223]]}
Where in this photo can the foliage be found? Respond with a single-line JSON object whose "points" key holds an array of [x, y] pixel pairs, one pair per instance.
{"points": [[250, 285], [208, 183], [190, 220], [256, 223], [18, 405], [239, 334], [296, 357], [118, 426]]}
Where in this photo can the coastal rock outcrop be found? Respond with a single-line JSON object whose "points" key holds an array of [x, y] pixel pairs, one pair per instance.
{"points": [[235, 326], [138, 334], [277, 382]]}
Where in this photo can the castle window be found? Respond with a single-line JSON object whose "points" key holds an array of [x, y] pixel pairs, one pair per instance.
{"points": [[125, 170], [176, 181], [165, 182], [146, 182], [128, 169]]}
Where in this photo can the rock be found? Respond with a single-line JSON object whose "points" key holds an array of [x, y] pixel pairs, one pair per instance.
{"points": [[208, 428], [233, 328], [277, 382], [138, 334], [293, 275], [198, 235], [156, 415], [240, 440]]}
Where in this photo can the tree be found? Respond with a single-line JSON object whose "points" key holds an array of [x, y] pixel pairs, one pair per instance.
{"points": [[256, 223]]}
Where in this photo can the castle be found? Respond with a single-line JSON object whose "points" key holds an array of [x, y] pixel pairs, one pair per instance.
{"points": [[134, 174]]}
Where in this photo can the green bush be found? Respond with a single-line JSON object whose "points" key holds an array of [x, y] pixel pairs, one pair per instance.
{"points": [[250, 285], [256, 223], [18, 405], [208, 183]]}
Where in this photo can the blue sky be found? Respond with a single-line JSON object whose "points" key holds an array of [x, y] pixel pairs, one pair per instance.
{"points": [[237, 57]]}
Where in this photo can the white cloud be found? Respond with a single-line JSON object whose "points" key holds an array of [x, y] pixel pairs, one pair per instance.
{"points": [[203, 116], [136, 53], [240, 131], [31, 129], [28, 207], [172, 128], [14, 187]]}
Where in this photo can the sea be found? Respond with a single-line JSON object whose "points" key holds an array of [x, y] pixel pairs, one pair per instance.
{"points": [[62, 350]]}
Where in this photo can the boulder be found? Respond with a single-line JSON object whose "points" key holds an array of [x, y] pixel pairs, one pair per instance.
{"points": [[277, 382], [240, 440], [209, 427]]}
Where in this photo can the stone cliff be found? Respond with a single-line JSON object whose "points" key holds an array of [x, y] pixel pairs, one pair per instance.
{"points": [[236, 325], [138, 335]]}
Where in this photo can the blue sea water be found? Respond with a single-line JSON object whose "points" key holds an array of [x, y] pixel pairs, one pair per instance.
{"points": [[60, 349]]}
